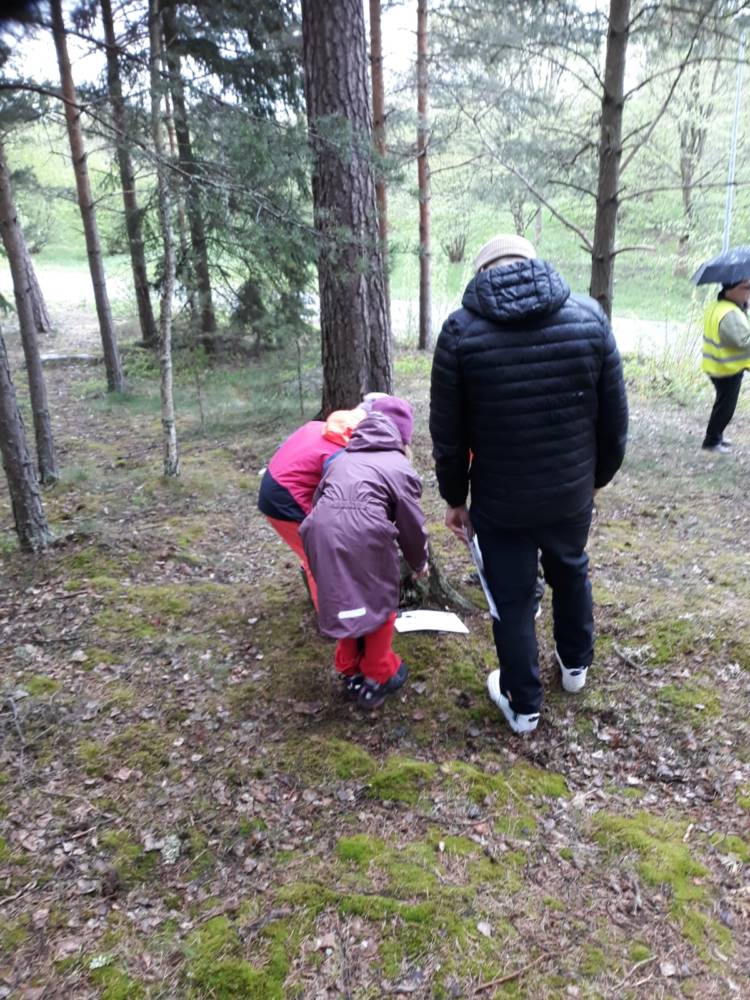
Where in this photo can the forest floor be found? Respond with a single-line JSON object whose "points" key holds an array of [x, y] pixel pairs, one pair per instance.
{"points": [[189, 809]]}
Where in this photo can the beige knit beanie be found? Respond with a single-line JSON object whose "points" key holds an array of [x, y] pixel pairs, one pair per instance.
{"points": [[503, 246]]}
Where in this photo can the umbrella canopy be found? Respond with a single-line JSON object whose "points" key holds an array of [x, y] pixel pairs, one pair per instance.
{"points": [[725, 269]]}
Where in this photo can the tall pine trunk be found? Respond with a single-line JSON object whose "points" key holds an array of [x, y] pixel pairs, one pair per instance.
{"points": [[610, 153], [191, 173], [423, 179], [115, 381], [378, 132], [355, 327], [18, 259], [42, 322], [26, 502], [133, 216], [171, 450]]}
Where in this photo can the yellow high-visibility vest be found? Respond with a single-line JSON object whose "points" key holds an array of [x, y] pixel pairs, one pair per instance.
{"points": [[719, 360]]}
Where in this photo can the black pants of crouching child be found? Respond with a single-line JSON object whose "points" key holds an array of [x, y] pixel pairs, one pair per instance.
{"points": [[727, 394], [510, 564]]}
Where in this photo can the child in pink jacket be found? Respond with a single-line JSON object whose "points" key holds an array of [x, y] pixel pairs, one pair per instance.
{"points": [[293, 474]]}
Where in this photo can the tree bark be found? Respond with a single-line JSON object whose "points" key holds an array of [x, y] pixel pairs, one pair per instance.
{"points": [[26, 502], [133, 216], [115, 381], [191, 174], [184, 266], [18, 260], [171, 450], [610, 153], [378, 131], [355, 328], [42, 321], [423, 179]]}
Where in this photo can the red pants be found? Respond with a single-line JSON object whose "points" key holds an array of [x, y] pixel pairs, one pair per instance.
{"points": [[289, 532], [369, 654]]}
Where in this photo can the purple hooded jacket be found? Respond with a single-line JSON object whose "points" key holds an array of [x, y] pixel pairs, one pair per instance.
{"points": [[365, 508]]}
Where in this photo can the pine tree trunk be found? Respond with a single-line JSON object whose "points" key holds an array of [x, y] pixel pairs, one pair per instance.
{"points": [[18, 260], [355, 327], [423, 178], [42, 321], [26, 502], [190, 171], [378, 131], [610, 153], [133, 217], [171, 450], [115, 381]]}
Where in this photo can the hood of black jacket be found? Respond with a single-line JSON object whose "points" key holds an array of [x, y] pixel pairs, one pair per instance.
{"points": [[527, 289]]}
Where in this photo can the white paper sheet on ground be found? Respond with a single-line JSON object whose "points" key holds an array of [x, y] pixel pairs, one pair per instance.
{"points": [[430, 621], [476, 555]]}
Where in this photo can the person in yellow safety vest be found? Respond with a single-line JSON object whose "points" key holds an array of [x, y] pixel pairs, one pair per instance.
{"points": [[726, 355]]}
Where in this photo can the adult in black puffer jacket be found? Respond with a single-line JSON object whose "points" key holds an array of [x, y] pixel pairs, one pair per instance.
{"points": [[527, 380]]}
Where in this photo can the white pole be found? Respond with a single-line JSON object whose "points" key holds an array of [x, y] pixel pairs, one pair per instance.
{"points": [[729, 204]]}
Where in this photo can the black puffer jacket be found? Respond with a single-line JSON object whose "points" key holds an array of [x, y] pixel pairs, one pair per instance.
{"points": [[527, 378]]}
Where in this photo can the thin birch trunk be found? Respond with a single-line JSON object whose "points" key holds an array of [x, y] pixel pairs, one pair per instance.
{"points": [[18, 259], [26, 502], [378, 134], [190, 171], [133, 216], [115, 381], [183, 266], [610, 154], [171, 450], [423, 177]]}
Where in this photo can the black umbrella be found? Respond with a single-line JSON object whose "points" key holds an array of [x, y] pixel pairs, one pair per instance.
{"points": [[725, 269]]}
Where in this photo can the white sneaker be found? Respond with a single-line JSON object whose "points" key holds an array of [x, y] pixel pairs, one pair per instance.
{"points": [[518, 723], [573, 678]]}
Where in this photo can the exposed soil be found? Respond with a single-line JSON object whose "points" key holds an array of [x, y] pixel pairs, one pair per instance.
{"points": [[188, 808]]}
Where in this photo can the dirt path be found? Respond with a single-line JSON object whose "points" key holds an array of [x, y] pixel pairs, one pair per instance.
{"points": [[189, 809]]}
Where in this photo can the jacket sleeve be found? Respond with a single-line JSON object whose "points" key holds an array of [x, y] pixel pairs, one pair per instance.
{"points": [[734, 330], [449, 419], [612, 419], [410, 521]]}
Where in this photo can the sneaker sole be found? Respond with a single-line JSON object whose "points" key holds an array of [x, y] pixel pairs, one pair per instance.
{"points": [[501, 702]]}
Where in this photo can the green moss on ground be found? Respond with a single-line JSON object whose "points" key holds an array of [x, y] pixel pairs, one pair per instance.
{"points": [[217, 970], [115, 984], [521, 781], [132, 863], [401, 779], [691, 700], [727, 843], [360, 849], [41, 686], [639, 952], [670, 640], [665, 860]]}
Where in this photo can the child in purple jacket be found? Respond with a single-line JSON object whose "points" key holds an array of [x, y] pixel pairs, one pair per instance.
{"points": [[365, 509]]}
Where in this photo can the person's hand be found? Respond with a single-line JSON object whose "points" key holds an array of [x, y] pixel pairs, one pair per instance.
{"points": [[422, 574], [457, 520]]}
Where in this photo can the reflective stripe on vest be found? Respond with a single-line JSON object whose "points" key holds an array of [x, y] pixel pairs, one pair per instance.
{"points": [[719, 360]]}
